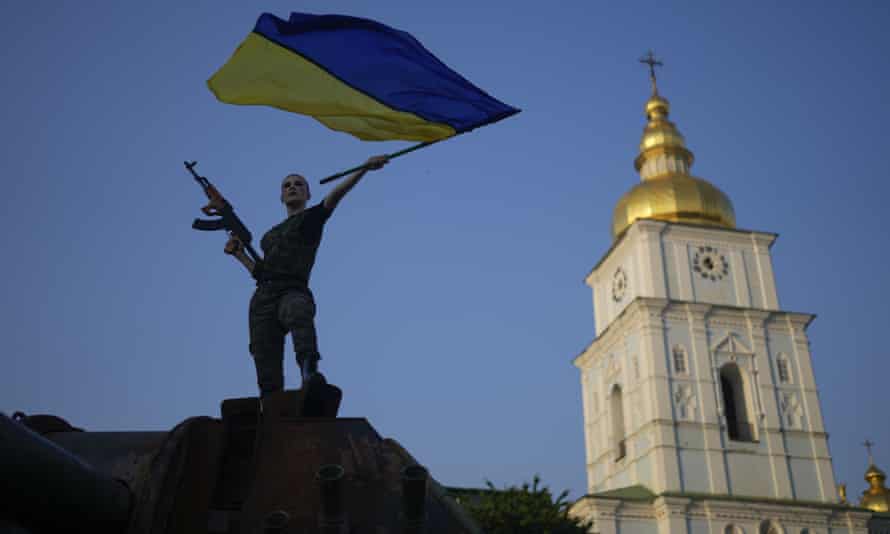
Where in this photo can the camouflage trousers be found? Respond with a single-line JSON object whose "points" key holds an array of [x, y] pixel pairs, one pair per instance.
{"points": [[274, 313]]}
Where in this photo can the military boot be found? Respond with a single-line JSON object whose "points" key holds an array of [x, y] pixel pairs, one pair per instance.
{"points": [[309, 366]]}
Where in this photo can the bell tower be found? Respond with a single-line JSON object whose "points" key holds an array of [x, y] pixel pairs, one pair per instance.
{"points": [[697, 381]]}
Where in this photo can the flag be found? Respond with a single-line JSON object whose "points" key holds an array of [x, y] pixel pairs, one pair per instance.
{"points": [[353, 75]]}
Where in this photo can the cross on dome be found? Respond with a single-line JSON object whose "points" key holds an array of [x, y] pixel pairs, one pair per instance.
{"points": [[649, 59], [868, 445]]}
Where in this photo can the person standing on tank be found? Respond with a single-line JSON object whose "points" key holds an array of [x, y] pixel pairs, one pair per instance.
{"points": [[282, 302]]}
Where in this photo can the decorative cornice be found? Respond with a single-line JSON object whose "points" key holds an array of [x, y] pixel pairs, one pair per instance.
{"points": [[698, 311], [731, 508], [794, 319], [720, 315], [704, 232], [758, 317]]}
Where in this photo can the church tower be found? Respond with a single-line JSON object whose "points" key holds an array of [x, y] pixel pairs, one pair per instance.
{"points": [[697, 381]]}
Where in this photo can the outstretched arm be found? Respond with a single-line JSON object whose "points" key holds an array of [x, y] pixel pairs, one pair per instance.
{"points": [[337, 194]]}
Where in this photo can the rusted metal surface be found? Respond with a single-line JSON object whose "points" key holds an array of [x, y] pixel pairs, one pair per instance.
{"points": [[176, 497], [448, 510], [289, 454], [332, 516], [259, 469], [240, 419], [414, 496], [124, 456]]}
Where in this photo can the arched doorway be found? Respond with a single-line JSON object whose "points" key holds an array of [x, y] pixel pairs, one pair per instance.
{"points": [[735, 404]]}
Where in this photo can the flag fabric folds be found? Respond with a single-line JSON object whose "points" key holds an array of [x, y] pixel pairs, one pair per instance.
{"points": [[353, 75]]}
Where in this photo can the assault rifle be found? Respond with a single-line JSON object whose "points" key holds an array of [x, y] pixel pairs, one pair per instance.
{"points": [[219, 206]]}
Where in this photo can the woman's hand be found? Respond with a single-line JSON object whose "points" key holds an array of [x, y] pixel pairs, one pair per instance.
{"points": [[234, 246]]}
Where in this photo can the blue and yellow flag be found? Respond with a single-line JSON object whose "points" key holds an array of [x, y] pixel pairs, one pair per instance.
{"points": [[353, 75]]}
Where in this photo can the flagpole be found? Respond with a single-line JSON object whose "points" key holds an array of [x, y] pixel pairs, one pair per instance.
{"points": [[388, 156]]}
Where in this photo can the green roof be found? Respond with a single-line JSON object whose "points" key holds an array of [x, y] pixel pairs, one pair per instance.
{"points": [[630, 493]]}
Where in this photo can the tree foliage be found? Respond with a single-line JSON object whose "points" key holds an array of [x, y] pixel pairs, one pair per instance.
{"points": [[529, 509]]}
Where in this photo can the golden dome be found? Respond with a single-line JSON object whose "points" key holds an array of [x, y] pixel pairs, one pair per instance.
{"points": [[674, 198], [877, 497], [668, 192]]}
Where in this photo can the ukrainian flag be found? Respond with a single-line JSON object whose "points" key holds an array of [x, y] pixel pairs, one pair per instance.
{"points": [[353, 75]]}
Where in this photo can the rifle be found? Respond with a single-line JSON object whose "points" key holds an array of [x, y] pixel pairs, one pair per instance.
{"points": [[218, 205]]}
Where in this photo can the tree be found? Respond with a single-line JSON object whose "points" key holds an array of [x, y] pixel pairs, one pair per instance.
{"points": [[529, 509]]}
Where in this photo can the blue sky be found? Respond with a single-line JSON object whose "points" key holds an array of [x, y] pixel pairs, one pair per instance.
{"points": [[450, 284]]}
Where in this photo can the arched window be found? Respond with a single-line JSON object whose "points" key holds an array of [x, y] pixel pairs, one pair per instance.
{"points": [[735, 404], [616, 406], [770, 527], [733, 529], [679, 354], [783, 370]]}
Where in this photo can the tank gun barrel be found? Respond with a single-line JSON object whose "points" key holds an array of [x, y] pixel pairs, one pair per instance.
{"points": [[45, 485]]}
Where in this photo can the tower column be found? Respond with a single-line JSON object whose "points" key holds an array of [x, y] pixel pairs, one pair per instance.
{"points": [[770, 298], [707, 394], [813, 422], [769, 418], [666, 469]]}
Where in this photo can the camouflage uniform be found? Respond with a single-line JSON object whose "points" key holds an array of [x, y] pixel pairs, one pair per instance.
{"points": [[282, 302]]}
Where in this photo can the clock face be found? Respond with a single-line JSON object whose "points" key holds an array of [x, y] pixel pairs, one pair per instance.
{"points": [[710, 264], [619, 284]]}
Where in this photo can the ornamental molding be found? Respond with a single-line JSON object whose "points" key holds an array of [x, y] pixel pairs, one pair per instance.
{"points": [[757, 512], [732, 343], [617, 333], [745, 362], [685, 402], [630, 510], [676, 315], [611, 369], [737, 321], [696, 312], [744, 514], [647, 227], [763, 240], [652, 308], [758, 316], [603, 507], [679, 232], [796, 320], [669, 505], [687, 378], [780, 387], [773, 329], [791, 410]]}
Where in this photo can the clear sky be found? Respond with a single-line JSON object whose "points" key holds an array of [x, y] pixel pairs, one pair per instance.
{"points": [[450, 284]]}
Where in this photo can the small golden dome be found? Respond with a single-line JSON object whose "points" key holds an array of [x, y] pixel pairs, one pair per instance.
{"points": [[668, 192], [874, 472], [657, 105], [877, 497]]}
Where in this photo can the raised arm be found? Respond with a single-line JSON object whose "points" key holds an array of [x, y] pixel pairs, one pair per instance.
{"points": [[337, 194]]}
